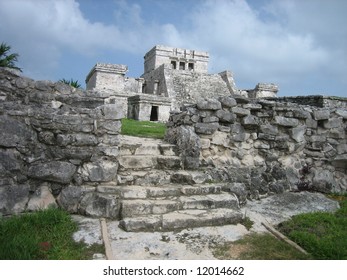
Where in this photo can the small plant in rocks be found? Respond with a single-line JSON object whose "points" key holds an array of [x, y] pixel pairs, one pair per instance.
{"points": [[304, 184]]}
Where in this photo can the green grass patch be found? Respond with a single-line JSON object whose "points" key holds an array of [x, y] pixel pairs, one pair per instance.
{"points": [[258, 247], [41, 235], [324, 235], [143, 128]]}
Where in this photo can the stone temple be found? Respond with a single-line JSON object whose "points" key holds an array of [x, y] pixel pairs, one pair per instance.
{"points": [[172, 78]]}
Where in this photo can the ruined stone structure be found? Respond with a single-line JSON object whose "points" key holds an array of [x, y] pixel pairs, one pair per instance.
{"points": [[62, 147], [172, 78]]}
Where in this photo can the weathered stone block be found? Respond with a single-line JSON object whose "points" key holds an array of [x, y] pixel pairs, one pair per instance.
{"points": [[41, 199], [205, 144], [210, 119], [329, 150], [342, 149], [100, 171], [111, 127], [333, 123], [225, 116], [342, 113], [298, 133], [85, 140], [250, 121], [10, 160], [321, 115], [209, 104], [44, 85], [239, 189], [323, 180], [110, 112], [168, 162], [13, 199], [15, 133], [55, 171], [287, 122], [269, 129], [301, 114], [220, 138], [267, 137], [227, 101], [100, 205], [206, 128], [240, 111], [337, 133], [70, 197], [311, 123], [261, 145]]}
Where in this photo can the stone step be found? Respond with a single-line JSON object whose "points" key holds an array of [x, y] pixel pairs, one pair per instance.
{"points": [[167, 149], [182, 219], [165, 191], [142, 162], [130, 145], [162, 177], [137, 207], [138, 149], [144, 177], [190, 177]]}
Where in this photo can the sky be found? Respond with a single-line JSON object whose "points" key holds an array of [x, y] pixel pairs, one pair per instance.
{"points": [[300, 45]]}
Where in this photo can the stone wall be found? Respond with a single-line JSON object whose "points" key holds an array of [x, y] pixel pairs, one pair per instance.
{"points": [[57, 144], [315, 100], [268, 145]]}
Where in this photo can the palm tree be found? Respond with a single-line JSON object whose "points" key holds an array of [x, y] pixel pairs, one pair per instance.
{"points": [[72, 83], [6, 59]]}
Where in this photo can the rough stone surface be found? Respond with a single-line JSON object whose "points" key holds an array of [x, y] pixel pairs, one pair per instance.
{"points": [[199, 243], [188, 144], [100, 171], [41, 199], [55, 171], [62, 145], [288, 122]]}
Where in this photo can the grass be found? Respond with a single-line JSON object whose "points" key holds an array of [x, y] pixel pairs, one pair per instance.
{"points": [[322, 235], [257, 246], [45, 234], [143, 129]]}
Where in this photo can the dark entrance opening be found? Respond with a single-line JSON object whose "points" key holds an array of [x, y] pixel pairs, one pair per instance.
{"points": [[173, 64], [154, 113]]}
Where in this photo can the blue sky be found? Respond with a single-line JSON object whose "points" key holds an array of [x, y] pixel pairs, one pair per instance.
{"points": [[300, 45]]}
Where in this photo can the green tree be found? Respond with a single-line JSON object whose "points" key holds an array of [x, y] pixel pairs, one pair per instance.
{"points": [[8, 59], [72, 83]]}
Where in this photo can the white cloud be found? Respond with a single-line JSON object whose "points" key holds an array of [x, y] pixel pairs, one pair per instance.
{"points": [[254, 48], [285, 41]]}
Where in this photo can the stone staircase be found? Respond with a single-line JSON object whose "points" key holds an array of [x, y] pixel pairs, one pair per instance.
{"points": [[156, 195]]}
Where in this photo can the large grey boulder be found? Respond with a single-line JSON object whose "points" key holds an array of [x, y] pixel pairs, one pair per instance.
{"points": [[206, 128], [100, 205], [209, 104], [55, 171], [323, 181], [15, 133], [13, 198], [70, 197], [227, 101], [100, 171], [188, 143], [287, 122]]}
